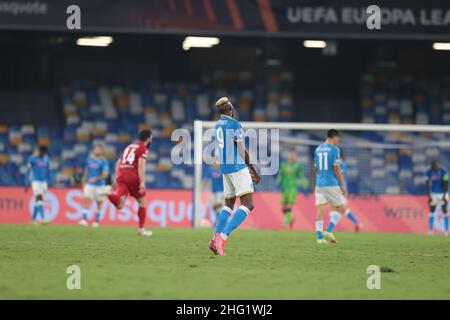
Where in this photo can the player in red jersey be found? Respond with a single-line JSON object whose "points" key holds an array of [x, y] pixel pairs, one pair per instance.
{"points": [[130, 177]]}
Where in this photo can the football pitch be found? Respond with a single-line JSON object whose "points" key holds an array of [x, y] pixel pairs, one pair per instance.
{"points": [[176, 264]]}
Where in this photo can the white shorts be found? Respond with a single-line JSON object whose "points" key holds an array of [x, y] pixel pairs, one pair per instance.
{"points": [[95, 193], [436, 199], [237, 184], [217, 198], [39, 187], [331, 195]]}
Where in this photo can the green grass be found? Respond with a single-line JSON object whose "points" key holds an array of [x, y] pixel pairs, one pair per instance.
{"points": [[175, 264]]}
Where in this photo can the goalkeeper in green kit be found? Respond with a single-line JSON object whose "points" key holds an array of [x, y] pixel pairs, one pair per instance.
{"points": [[291, 173]]}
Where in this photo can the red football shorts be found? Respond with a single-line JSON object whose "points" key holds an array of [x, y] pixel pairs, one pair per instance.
{"points": [[128, 184]]}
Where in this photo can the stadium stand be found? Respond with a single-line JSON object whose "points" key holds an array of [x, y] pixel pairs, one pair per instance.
{"points": [[112, 113]]}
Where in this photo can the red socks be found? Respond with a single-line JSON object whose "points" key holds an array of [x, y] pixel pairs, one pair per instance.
{"points": [[142, 214]]}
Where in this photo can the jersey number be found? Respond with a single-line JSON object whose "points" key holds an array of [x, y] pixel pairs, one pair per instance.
{"points": [[219, 134], [129, 155], [323, 160]]}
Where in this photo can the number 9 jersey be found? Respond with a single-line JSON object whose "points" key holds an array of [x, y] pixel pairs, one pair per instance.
{"points": [[228, 133]]}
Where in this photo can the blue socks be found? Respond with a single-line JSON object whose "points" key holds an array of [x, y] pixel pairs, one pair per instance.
{"points": [[446, 222], [431, 222], [351, 216], [222, 219], [330, 227], [38, 210], [35, 212], [334, 219], [85, 214], [319, 229], [97, 216], [239, 216]]}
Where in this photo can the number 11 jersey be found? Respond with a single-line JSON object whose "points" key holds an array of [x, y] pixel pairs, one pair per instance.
{"points": [[325, 157]]}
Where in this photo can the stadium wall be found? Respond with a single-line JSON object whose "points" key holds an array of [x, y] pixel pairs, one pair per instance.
{"points": [[172, 208]]}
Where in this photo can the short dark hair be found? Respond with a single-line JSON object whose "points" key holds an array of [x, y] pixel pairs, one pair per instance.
{"points": [[144, 134], [333, 133], [43, 150]]}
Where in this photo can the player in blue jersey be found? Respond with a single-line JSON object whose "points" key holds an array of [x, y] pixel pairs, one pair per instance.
{"points": [[437, 187], [239, 174], [39, 170], [95, 174], [330, 185], [215, 173], [348, 213]]}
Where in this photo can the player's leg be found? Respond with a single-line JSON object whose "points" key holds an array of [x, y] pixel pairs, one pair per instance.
{"points": [[431, 215], [243, 187], [320, 213], [239, 215], [225, 212], [85, 204], [292, 199], [338, 202], [118, 195], [286, 202], [142, 214], [222, 220], [321, 204], [99, 204], [38, 192], [339, 207], [351, 216], [335, 215], [39, 204]]}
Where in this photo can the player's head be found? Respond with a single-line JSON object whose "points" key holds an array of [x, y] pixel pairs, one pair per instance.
{"points": [[42, 151], [98, 149], [224, 106], [292, 156], [333, 136], [434, 165], [145, 136]]}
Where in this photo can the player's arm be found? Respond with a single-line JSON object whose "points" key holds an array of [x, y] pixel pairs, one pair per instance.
{"points": [[428, 187], [246, 156], [301, 176], [141, 172], [340, 177], [105, 172], [445, 179], [49, 172], [27, 177], [84, 177], [280, 175]]}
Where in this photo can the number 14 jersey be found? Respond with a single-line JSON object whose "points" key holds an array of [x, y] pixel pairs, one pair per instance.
{"points": [[129, 159]]}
